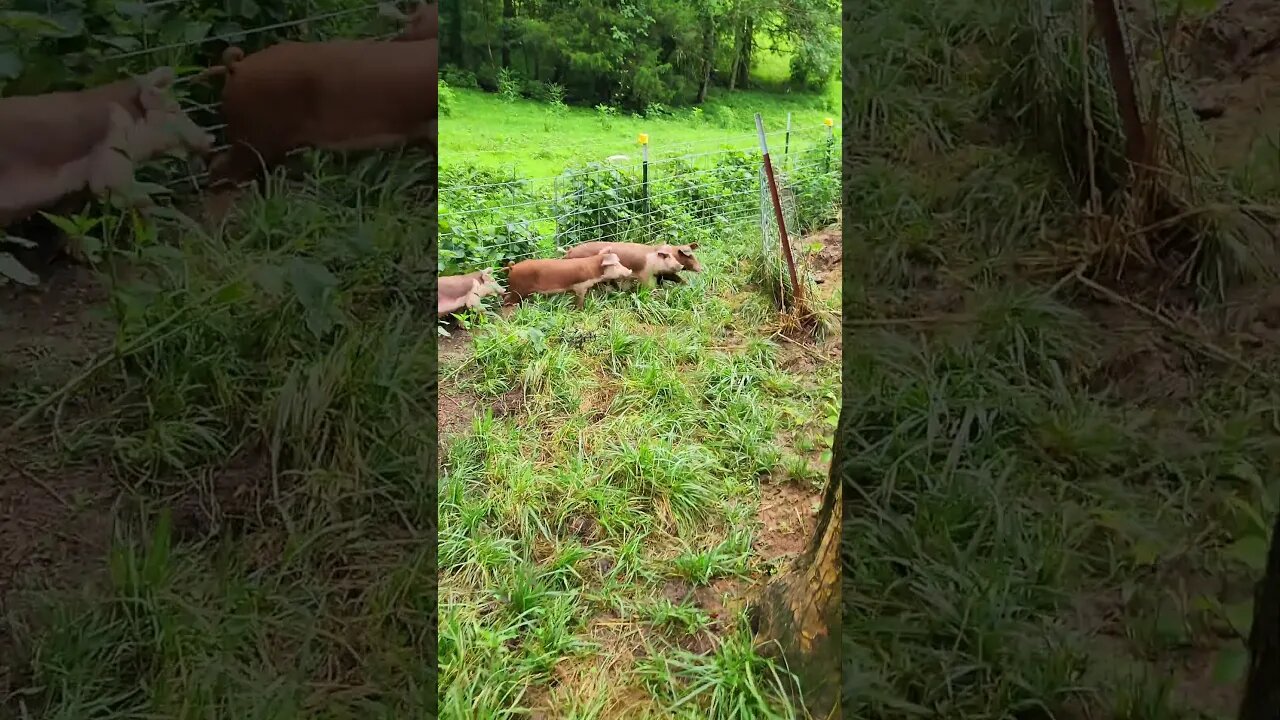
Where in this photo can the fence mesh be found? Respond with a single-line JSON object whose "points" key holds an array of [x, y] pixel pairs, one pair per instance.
{"points": [[492, 217]]}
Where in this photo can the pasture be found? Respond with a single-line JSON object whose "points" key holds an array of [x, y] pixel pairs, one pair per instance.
{"points": [[542, 138], [617, 481], [1065, 465]]}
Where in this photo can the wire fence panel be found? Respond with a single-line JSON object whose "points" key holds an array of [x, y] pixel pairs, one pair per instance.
{"points": [[683, 194]]}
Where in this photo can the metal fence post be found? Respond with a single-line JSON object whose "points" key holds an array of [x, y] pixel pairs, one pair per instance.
{"points": [[644, 178], [797, 290]]}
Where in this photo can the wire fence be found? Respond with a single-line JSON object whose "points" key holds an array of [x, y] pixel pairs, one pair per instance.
{"points": [[202, 44], [492, 217]]}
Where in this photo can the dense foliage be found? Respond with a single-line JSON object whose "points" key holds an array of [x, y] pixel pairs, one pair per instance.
{"points": [[489, 218], [652, 51]]}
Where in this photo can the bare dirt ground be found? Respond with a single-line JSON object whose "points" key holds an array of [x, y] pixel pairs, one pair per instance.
{"points": [[1235, 67], [54, 519]]}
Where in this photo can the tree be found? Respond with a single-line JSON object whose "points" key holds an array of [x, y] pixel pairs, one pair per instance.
{"points": [[635, 52], [1262, 685], [798, 614]]}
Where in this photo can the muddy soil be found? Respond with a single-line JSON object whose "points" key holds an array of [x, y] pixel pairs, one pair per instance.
{"points": [[1233, 60]]}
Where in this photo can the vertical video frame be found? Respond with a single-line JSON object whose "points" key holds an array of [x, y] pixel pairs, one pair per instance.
{"points": [[1061, 382], [639, 302]]}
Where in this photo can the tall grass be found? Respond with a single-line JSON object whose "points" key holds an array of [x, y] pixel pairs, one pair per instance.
{"points": [[265, 419], [1049, 498], [601, 502]]}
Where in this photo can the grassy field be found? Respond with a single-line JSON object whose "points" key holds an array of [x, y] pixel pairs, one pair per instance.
{"points": [[215, 486], [616, 481], [539, 140], [612, 483], [1060, 504]]}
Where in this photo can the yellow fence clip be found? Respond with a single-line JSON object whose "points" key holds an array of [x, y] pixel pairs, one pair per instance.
{"points": [[644, 138]]}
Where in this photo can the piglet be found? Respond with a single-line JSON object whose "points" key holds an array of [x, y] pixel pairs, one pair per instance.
{"points": [[648, 262], [464, 291], [556, 275]]}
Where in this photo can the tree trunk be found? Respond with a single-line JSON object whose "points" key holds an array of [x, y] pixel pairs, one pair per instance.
{"points": [[508, 16], [456, 51], [745, 43], [708, 59], [798, 614], [1262, 686]]}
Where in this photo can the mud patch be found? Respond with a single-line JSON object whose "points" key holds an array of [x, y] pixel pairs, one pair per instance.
{"points": [[722, 600], [223, 497], [455, 409], [583, 679], [1234, 58], [1138, 361], [830, 255], [55, 519], [788, 515], [55, 526], [825, 262], [47, 332]]}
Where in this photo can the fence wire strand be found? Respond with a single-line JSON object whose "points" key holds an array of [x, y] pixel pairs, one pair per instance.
{"points": [[240, 33], [634, 146], [547, 212]]}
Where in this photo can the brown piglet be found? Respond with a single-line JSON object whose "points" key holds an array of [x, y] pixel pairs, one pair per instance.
{"points": [[338, 95], [646, 261], [549, 276], [456, 292]]}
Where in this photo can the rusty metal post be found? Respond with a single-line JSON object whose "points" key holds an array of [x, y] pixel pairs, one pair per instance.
{"points": [[1135, 142], [777, 210]]}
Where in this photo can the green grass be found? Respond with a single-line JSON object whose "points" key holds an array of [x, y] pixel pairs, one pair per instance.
{"points": [[623, 475], [540, 141], [255, 446], [1058, 507], [601, 483]]}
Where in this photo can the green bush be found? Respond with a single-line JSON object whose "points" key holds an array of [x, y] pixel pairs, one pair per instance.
{"points": [[459, 77], [490, 218], [446, 97]]}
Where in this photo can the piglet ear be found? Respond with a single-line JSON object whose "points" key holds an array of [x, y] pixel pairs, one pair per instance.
{"points": [[664, 254], [693, 246], [609, 259], [686, 252]]}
